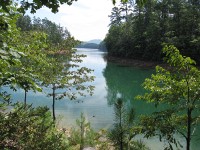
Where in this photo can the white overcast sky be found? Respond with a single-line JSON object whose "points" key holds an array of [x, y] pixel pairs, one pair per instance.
{"points": [[85, 19]]}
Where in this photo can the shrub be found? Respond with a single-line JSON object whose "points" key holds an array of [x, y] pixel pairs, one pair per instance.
{"points": [[29, 128]]}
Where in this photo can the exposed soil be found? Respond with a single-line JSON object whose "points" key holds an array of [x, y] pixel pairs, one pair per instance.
{"points": [[133, 62]]}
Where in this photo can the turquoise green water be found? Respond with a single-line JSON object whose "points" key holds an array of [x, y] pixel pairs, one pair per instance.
{"points": [[112, 81]]}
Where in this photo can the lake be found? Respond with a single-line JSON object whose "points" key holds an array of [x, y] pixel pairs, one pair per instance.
{"points": [[111, 81]]}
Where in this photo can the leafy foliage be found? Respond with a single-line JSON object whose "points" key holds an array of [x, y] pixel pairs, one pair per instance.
{"points": [[66, 77], [178, 88], [36, 47], [138, 32], [139, 2], [58, 38], [35, 5], [14, 72], [51, 4], [31, 128]]}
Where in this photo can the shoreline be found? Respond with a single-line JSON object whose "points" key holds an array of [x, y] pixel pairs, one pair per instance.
{"points": [[144, 64], [134, 62]]}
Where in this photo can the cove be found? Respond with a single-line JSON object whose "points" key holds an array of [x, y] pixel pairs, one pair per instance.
{"points": [[111, 81]]}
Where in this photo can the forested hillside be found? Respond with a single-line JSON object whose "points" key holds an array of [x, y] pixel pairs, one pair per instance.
{"points": [[88, 45], [139, 32], [58, 37], [36, 54]]}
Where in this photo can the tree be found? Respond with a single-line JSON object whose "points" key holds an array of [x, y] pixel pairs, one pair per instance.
{"points": [[84, 126], [28, 64], [63, 74], [115, 17], [83, 135], [35, 5], [56, 35], [139, 2], [52, 4], [32, 44], [120, 135], [13, 71], [176, 87], [141, 34], [66, 77], [24, 23]]}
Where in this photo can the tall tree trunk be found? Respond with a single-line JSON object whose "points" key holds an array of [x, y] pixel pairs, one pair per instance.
{"points": [[189, 118], [53, 105], [82, 136], [25, 95], [121, 130], [126, 12], [188, 139]]}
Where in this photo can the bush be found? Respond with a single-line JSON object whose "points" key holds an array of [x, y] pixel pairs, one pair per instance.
{"points": [[29, 128]]}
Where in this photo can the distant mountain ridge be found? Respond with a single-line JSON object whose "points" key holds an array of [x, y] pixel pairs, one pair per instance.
{"points": [[96, 41], [88, 45], [93, 44]]}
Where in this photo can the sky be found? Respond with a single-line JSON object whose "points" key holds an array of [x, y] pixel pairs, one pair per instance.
{"points": [[85, 19]]}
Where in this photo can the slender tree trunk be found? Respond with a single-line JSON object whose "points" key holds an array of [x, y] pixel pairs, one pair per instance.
{"points": [[82, 136], [53, 105], [121, 132], [126, 12], [188, 139], [189, 120], [25, 95]]}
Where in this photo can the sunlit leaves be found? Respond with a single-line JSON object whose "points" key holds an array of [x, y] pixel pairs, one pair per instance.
{"points": [[177, 87], [174, 58], [22, 56], [70, 77], [124, 1], [34, 5], [53, 5]]}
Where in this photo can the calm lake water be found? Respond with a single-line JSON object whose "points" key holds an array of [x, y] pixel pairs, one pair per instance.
{"points": [[112, 80]]}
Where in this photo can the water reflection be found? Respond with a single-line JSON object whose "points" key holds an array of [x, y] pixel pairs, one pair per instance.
{"points": [[126, 82], [111, 80]]}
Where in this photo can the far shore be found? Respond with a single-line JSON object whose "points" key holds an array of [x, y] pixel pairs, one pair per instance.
{"points": [[134, 62]]}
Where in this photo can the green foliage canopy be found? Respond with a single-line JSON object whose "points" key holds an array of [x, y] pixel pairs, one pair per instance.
{"points": [[35, 4], [51, 4], [14, 72], [177, 88], [138, 32], [40, 49]]}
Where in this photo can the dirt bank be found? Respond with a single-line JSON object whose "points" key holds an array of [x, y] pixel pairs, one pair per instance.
{"points": [[133, 62]]}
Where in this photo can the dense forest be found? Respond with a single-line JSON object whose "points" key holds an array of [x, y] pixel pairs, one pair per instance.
{"points": [[139, 32], [58, 37], [37, 53]]}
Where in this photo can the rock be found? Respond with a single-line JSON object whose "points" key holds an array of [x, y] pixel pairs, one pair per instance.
{"points": [[102, 139], [89, 148]]}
